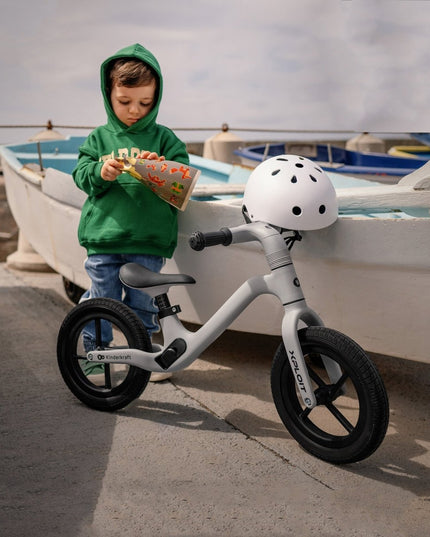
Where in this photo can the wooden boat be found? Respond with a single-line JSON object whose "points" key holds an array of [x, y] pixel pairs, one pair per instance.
{"points": [[367, 275], [379, 167]]}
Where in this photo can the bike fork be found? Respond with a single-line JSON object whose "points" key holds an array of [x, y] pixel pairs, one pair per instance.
{"points": [[290, 337], [294, 352]]}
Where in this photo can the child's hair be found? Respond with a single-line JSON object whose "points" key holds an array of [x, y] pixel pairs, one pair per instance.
{"points": [[131, 73]]}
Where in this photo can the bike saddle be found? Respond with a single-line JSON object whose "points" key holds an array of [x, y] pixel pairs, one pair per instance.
{"points": [[139, 277]]}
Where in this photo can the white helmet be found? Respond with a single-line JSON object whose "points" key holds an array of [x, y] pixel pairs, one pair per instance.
{"points": [[290, 192]]}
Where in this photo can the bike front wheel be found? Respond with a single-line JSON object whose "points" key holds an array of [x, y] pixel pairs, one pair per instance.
{"points": [[102, 386], [350, 419]]}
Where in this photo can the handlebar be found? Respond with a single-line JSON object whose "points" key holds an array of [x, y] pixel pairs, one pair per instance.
{"points": [[199, 240]]}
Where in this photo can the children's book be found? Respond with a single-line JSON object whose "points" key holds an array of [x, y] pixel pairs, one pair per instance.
{"points": [[172, 181]]}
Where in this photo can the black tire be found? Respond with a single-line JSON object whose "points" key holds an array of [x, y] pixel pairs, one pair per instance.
{"points": [[345, 426], [73, 291], [118, 384]]}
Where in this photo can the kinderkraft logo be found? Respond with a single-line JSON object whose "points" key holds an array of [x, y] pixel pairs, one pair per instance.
{"points": [[110, 357]]}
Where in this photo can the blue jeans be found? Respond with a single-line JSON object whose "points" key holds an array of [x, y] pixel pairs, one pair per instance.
{"points": [[103, 269]]}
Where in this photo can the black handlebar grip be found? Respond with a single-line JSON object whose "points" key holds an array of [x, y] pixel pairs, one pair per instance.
{"points": [[199, 240]]}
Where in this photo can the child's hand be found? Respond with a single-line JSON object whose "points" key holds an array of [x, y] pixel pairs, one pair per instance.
{"points": [[111, 169], [150, 156]]}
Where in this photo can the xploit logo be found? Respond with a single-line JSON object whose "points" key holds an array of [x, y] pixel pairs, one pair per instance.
{"points": [[296, 370]]}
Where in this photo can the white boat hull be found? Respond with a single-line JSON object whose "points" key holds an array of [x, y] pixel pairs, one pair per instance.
{"points": [[369, 278]]}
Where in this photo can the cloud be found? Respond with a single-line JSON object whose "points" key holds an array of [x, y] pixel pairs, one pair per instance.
{"points": [[301, 64]]}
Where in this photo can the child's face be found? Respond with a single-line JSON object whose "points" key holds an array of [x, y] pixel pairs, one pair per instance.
{"points": [[132, 104]]}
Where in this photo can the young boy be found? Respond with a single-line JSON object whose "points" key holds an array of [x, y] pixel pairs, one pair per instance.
{"points": [[123, 221]]}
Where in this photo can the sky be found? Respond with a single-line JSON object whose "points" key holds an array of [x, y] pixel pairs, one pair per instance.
{"points": [[304, 65]]}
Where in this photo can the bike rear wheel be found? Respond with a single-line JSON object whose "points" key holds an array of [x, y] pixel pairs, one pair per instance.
{"points": [[102, 386], [351, 417]]}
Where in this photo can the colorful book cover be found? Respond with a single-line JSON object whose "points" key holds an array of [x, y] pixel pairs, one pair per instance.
{"points": [[172, 181]]}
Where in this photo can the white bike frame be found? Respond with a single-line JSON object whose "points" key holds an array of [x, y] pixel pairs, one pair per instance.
{"points": [[282, 282]]}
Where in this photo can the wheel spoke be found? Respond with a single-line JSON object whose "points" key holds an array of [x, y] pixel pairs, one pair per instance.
{"points": [[339, 385], [305, 413], [98, 332], [315, 377], [340, 417], [108, 380], [79, 357]]}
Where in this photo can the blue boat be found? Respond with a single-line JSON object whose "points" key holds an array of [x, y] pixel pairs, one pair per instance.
{"points": [[379, 167], [423, 137]]}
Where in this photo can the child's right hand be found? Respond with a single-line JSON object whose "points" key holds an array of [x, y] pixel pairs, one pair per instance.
{"points": [[150, 155], [111, 169]]}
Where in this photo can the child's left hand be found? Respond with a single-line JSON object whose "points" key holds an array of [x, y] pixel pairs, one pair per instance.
{"points": [[150, 155]]}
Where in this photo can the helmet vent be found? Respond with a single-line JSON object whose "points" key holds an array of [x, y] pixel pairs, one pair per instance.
{"points": [[299, 165], [283, 159], [294, 179], [313, 178], [275, 172], [322, 209], [297, 211]]}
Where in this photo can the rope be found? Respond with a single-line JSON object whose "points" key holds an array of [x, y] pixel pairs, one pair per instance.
{"points": [[225, 127]]}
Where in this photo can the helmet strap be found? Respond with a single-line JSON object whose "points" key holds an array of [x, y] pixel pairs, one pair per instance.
{"points": [[291, 239]]}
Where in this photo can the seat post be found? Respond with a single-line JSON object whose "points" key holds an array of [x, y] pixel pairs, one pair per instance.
{"points": [[164, 307], [162, 301]]}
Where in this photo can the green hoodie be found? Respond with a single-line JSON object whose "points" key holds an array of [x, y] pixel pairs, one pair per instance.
{"points": [[124, 216]]}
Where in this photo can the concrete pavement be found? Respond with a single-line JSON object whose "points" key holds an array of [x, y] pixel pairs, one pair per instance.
{"points": [[201, 455]]}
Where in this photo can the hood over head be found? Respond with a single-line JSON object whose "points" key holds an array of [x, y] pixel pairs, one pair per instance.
{"points": [[134, 52]]}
